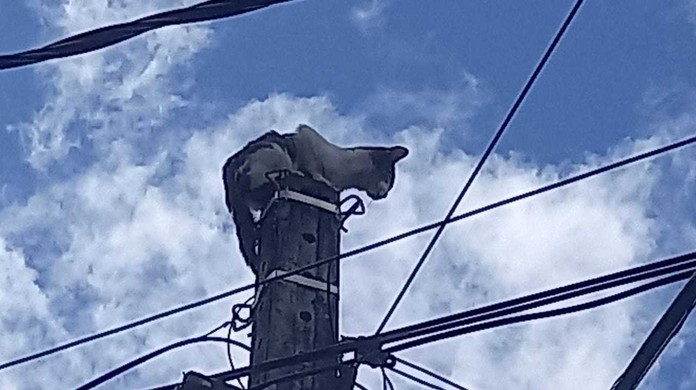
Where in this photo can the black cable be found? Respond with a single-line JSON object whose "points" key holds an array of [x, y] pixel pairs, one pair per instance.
{"points": [[297, 375], [544, 298], [354, 252], [398, 335], [535, 316], [224, 324], [110, 35], [136, 362], [430, 373], [498, 135], [416, 379], [387, 384], [359, 386], [122, 328], [430, 338], [228, 347], [659, 337]]}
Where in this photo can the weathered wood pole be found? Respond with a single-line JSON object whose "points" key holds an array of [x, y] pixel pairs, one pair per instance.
{"points": [[291, 318]]}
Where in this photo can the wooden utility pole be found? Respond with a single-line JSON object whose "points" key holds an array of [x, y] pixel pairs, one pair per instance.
{"points": [[298, 314]]}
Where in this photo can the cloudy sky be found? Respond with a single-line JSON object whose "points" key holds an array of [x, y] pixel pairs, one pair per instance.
{"points": [[111, 203]]}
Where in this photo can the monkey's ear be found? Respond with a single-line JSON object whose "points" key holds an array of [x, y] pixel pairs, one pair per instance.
{"points": [[398, 152]]}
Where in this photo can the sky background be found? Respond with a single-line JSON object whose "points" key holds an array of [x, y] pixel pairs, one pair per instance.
{"points": [[111, 202]]}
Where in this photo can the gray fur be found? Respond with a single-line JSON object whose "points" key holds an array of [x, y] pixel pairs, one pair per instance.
{"points": [[247, 189]]}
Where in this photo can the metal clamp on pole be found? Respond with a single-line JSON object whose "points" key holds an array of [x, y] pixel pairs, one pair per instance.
{"points": [[368, 350], [305, 281], [282, 192], [306, 199], [240, 322]]}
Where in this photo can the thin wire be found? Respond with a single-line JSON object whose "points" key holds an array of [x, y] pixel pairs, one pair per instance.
{"points": [[136, 362], [110, 35], [224, 324], [228, 347], [544, 314], [359, 386], [354, 252], [386, 382], [430, 373], [416, 379], [482, 161]]}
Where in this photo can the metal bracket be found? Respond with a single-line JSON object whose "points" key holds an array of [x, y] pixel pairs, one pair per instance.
{"points": [[196, 381], [282, 192], [306, 199], [369, 351], [305, 281], [297, 279]]}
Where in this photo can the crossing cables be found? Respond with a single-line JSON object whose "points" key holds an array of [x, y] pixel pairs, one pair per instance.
{"points": [[110, 35], [488, 317], [143, 359], [429, 373], [158, 316], [498, 135], [500, 314]]}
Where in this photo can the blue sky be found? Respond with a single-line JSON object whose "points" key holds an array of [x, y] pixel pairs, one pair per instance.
{"points": [[109, 172]]}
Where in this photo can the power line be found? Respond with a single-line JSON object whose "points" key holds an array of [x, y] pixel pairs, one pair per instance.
{"points": [[544, 314], [228, 349], [386, 381], [397, 335], [430, 373], [136, 362], [533, 301], [354, 252], [455, 329], [350, 346], [666, 328], [416, 379], [110, 35], [498, 135], [452, 332]]}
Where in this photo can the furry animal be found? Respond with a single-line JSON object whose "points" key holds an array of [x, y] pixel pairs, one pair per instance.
{"points": [[248, 190]]}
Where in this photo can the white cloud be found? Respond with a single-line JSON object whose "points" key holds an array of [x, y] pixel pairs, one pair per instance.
{"points": [[94, 97], [369, 15], [449, 108], [133, 240]]}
